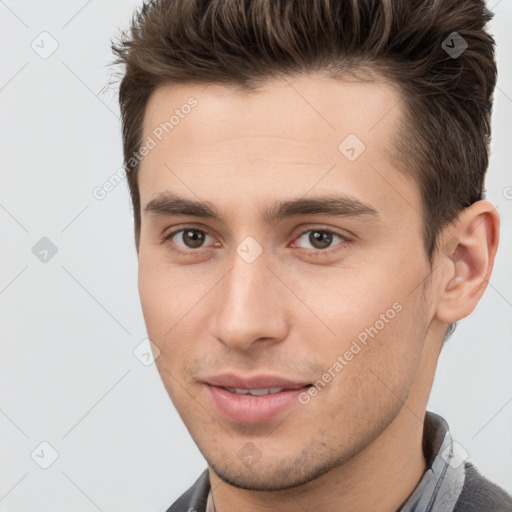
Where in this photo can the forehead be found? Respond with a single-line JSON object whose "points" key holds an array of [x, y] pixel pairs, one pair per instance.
{"points": [[312, 112], [283, 140]]}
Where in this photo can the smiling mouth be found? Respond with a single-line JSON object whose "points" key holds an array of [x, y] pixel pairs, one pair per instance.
{"points": [[252, 405]]}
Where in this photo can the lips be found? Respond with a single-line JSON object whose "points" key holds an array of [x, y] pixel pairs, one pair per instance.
{"points": [[253, 399]]}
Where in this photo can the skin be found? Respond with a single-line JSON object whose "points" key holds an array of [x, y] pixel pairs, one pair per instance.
{"points": [[291, 312]]}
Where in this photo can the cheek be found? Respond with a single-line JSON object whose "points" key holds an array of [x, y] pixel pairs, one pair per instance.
{"points": [[163, 307], [165, 294], [352, 302], [152, 296], [174, 312], [378, 329], [374, 383]]}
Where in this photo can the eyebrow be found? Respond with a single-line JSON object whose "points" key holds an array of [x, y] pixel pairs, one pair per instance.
{"points": [[170, 204]]}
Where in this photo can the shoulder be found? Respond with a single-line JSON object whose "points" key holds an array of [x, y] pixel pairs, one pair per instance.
{"points": [[193, 500], [479, 493]]}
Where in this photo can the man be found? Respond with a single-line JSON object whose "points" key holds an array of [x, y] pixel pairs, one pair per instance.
{"points": [[307, 181]]}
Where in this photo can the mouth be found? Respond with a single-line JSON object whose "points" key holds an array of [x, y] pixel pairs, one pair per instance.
{"points": [[253, 400], [256, 392]]}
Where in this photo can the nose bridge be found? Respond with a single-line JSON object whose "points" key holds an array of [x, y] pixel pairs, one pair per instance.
{"points": [[246, 309]]}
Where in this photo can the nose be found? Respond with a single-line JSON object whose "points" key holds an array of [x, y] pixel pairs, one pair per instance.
{"points": [[251, 306]]}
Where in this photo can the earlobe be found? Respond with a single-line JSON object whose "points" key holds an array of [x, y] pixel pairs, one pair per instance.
{"points": [[467, 261]]}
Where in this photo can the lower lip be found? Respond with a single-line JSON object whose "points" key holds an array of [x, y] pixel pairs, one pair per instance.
{"points": [[253, 409]]}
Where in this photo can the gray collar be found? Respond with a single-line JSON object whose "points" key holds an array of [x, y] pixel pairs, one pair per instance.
{"points": [[441, 484]]}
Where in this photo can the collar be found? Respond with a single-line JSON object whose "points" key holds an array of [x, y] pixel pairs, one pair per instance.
{"points": [[442, 481]]}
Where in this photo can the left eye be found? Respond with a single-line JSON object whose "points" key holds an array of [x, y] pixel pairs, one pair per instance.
{"points": [[320, 238]]}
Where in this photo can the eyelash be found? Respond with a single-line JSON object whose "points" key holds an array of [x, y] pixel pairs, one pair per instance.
{"points": [[312, 252]]}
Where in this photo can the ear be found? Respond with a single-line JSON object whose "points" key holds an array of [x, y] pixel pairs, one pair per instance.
{"points": [[466, 260]]}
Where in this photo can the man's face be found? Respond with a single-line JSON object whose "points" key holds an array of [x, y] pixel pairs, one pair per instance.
{"points": [[283, 300]]}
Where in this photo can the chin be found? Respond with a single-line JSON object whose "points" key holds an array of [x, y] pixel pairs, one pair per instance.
{"points": [[278, 475]]}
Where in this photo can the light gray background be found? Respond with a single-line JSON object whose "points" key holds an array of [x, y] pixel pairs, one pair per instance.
{"points": [[69, 326]]}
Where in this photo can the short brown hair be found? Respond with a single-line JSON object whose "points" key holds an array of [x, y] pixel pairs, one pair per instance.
{"points": [[444, 138]]}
